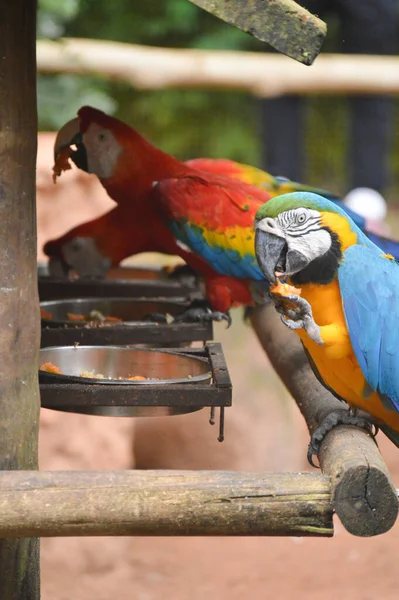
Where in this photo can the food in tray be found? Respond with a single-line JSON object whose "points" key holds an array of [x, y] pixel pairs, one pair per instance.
{"points": [[50, 368], [93, 315], [45, 314]]}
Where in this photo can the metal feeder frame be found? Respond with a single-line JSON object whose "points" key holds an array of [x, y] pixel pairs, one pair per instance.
{"points": [[67, 396], [51, 288]]}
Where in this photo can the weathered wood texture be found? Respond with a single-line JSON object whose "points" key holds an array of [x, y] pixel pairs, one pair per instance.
{"points": [[19, 308], [64, 503], [283, 24], [262, 74], [363, 494]]}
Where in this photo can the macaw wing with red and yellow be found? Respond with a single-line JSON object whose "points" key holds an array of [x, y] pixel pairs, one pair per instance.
{"points": [[235, 170], [215, 220]]}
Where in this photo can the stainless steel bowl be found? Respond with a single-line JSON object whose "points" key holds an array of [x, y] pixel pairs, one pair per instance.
{"points": [[130, 310], [123, 361]]}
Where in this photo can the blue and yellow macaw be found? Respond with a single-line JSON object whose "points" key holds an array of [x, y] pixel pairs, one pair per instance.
{"points": [[214, 217], [346, 312]]}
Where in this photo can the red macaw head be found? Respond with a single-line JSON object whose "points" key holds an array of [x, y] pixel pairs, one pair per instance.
{"points": [[96, 142]]}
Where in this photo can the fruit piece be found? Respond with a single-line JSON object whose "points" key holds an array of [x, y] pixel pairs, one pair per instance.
{"points": [[113, 320], [62, 162], [91, 375], [283, 289], [50, 368], [74, 317], [44, 314]]}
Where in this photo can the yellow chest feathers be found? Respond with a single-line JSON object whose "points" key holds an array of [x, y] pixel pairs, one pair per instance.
{"points": [[328, 314]]}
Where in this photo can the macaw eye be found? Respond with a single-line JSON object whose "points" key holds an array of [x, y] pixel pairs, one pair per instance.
{"points": [[301, 218], [101, 136]]}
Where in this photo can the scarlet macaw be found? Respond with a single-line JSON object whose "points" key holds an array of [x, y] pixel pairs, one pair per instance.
{"points": [[347, 308], [211, 216], [127, 165]]}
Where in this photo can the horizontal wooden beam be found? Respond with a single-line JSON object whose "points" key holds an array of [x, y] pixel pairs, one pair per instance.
{"points": [[284, 24], [363, 494], [93, 503], [261, 74]]}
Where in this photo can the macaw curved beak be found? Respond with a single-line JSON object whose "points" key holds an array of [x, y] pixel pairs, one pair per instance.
{"points": [[273, 254], [270, 250], [70, 135]]}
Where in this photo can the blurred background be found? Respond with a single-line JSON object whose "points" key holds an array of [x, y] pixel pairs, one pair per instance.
{"points": [[230, 121], [264, 430]]}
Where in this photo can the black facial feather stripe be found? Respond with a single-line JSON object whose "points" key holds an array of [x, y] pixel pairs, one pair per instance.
{"points": [[302, 233]]}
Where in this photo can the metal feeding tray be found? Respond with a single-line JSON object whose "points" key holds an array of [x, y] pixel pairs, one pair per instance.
{"points": [[187, 380], [120, 281], [59, 329]]}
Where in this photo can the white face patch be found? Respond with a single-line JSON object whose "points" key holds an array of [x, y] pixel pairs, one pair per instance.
{"points": [[302, 230], [103, 150]]}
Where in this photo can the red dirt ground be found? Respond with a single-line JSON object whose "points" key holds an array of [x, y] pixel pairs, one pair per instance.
{"points": [[264, 432]]}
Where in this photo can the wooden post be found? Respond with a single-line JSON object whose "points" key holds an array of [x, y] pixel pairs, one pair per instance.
{"points": [[363, 493], [79, 503], [19, 307]]}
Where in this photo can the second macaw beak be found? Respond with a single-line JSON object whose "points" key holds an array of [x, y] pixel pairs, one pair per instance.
{"points": [[274, 254], [270, 251], [70, 135]]}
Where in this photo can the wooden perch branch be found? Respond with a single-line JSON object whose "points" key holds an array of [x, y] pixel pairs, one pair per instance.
{"points": [[363, 494], [65, 503], [261, 74], [283, 24]]}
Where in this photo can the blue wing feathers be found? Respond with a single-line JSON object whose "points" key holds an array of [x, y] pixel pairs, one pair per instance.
{"points": [[369, 287], [225, 261]]}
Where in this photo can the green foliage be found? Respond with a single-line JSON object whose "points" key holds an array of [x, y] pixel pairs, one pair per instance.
{"points": [[186, 123], [174, 23]]}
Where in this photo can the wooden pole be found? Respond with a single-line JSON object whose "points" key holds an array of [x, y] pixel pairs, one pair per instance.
{"points": [[259, 73], [19, 308], [284, 24], [65, 503], [363, 493]]}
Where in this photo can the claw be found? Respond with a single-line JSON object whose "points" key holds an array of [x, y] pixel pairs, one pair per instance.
{"points": [[334, 418], [202, 314], [299, 317], [291, 323], [199, 311]]}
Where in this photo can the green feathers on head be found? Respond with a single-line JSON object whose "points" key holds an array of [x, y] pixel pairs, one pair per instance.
{"points": [[281, 204]]}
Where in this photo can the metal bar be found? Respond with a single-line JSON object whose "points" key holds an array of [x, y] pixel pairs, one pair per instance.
{"points": [[143, 334], [58, 289], [74, 395]]}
